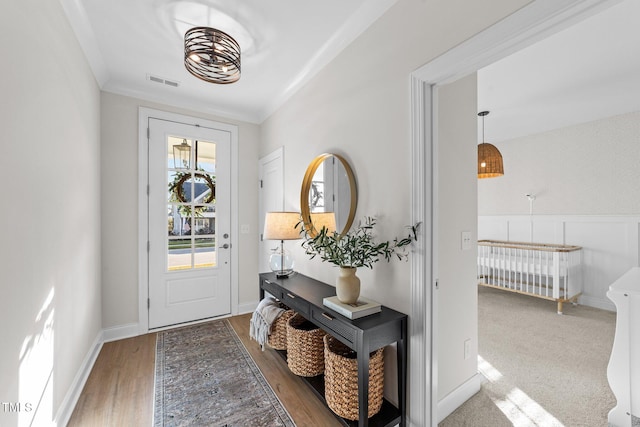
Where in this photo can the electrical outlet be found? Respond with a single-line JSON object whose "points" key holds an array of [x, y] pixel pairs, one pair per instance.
{"points": [[466, 240], [467, 348]]}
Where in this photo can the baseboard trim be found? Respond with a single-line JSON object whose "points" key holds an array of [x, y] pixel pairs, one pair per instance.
{"points": [[73, 394], [457, 397], [120, 332], [67, 406], [597, 303], [247, 307]]}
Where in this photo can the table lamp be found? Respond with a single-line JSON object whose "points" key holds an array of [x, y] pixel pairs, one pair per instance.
{"points": [[281, 226], [321, 220]]}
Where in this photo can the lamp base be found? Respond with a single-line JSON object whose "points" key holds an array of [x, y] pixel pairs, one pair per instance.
{"points": [[281, 263], [284, 274]]}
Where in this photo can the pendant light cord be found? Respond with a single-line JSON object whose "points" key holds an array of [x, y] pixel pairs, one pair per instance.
{"points": [[482, 114]]}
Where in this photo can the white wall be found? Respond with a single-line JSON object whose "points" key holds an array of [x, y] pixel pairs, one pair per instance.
{"points": [[359, 107], [588, 169], [119, 155], [585, 179], [457, 194], [50, 308]]}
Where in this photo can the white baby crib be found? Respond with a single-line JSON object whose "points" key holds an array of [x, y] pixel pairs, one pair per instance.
{"points": [[542, 270]]}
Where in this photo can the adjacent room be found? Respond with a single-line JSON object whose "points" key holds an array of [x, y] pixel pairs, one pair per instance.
{"points": [[250, 213], [566, 124]]}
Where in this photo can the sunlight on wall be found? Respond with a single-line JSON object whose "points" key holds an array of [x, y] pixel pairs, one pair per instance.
{"points": [[36, 370], [514, 403]]}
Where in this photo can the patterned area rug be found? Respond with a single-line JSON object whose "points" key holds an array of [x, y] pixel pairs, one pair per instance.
{"points": [[206, 377]]}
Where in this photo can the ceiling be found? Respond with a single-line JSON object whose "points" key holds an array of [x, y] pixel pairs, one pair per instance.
{"points": [[283, 43], [588, 71]]}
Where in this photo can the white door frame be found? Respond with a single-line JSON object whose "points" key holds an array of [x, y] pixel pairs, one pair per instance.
{"points": [[144, 114], [276, 155], [530, 24]]}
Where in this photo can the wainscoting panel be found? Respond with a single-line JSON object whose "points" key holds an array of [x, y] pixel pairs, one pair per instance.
{"points": [[610, 244]]}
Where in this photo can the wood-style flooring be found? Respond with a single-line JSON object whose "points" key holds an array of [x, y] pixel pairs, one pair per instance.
{"points": [[119, 390]]}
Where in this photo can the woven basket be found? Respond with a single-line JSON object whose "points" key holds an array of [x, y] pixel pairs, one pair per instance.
{"points": [[341, 379], [278, 336], [305, 348]]}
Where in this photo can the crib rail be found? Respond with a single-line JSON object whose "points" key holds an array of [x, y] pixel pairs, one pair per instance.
{"points": [[544, 270]]}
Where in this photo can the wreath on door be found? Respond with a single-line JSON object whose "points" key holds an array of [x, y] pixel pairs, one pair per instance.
{"points": [[176, 186]]}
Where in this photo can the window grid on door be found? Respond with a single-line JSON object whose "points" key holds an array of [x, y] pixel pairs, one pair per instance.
{"points": [[191, 204]]}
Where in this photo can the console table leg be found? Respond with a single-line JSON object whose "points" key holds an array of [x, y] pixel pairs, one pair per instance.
{"points": [[363, 385], [402, 374]]}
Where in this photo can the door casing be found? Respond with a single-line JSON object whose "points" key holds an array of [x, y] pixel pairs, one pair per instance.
{"points": [[144, 114]]}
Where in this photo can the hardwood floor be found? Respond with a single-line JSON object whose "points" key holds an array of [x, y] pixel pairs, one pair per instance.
{"points": [[303, 406], [119, 390]]}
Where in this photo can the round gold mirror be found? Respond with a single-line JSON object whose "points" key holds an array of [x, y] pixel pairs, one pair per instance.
{"points": [[328, 195]]}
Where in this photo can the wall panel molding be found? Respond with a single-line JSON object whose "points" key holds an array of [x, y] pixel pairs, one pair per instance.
{"points": [[610, 244]]}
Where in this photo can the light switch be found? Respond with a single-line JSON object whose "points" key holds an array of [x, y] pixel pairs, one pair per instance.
{"points": [[466, 240], [244, 229]]}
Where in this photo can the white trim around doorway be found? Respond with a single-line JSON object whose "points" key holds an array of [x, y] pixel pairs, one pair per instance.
{"points": [[530, 24]]}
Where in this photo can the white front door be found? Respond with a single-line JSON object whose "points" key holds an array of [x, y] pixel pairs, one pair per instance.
{"points": [[189, 223]]}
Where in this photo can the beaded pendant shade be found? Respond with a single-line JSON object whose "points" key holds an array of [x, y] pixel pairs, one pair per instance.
{"points": [[489, 157], [212, 55]]}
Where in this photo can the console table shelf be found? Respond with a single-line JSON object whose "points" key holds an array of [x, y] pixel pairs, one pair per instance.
{"points": [[365, 335]]}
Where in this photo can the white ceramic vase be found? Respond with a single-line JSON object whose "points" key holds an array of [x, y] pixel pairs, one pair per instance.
{"points": [[348, 285]]}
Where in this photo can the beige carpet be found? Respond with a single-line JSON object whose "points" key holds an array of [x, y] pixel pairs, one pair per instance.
{"points": [[543, 369]]}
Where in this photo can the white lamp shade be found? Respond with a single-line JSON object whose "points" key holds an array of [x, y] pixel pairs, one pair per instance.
{"points": [[281, 226], [324, 219]]}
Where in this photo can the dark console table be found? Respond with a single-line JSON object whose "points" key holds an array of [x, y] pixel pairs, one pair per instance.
{"points": [[304, 295]]}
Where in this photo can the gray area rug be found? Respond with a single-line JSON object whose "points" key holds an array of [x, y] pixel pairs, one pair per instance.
{"points": [[205, 377]]}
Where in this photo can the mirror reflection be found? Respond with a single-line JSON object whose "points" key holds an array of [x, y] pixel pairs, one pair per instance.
{"points": [[328, 187]]}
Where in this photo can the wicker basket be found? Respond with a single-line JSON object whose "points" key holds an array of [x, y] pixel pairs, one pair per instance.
{"points": [[341, 379], [305, 353], [278, 336]]}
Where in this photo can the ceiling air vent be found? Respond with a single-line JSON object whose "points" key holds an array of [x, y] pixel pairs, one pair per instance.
{"points": [[162, 80]]}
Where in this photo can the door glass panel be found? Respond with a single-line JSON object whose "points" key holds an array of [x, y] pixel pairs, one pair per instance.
{"points": [[179, 256], [180, 187], [205, 252], [191, 226], [206, 156], [204, 188], [204, 222]]}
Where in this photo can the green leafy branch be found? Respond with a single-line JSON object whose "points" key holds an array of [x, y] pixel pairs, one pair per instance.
{"points": [[358, 247]]}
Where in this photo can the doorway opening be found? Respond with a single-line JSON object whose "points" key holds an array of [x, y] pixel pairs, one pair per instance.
{"points": [[540, 123], [532, 23]]}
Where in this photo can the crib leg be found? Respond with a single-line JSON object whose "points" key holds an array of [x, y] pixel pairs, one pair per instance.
{"points": [[559, 307]]}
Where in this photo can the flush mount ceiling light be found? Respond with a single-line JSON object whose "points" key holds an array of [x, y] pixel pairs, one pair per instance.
{"points": [[212, 55], [489, 157]]}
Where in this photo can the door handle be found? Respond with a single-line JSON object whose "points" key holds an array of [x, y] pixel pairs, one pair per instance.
{"points": [[225, 246]]}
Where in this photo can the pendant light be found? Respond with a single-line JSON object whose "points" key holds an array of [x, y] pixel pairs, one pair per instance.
{"points": [[212, 55], [489, 157]]}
